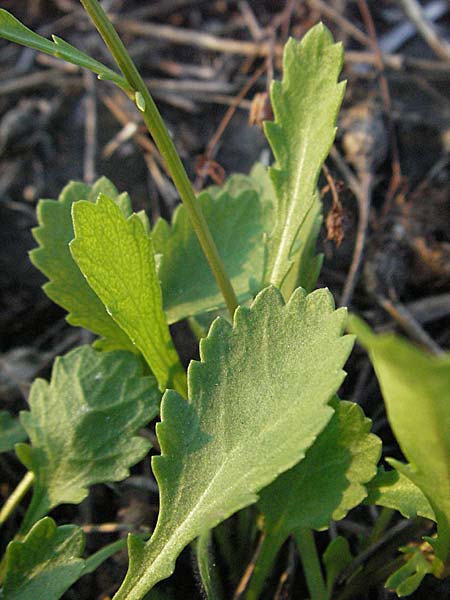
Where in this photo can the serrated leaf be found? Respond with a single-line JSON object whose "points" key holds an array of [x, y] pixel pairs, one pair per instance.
{"points": [[257, 401], [11, 431], [236, 224], [45, 563], [335, 470], [83, 425], [13, 30], [67, 286], [305, 105], [117, 258], [336, 558], [393, 490], [416, 391]]}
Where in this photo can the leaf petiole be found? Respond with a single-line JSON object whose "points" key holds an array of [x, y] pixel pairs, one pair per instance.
{"points": [[17, 495], [306, 545]]}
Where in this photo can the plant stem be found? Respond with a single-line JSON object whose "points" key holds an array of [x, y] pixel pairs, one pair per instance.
{"points": [[158, 131], [17, 495], [306, 545], [380, 525]]}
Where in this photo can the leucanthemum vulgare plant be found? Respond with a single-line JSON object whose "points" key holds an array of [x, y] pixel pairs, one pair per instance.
{"points": [[257, 420]]}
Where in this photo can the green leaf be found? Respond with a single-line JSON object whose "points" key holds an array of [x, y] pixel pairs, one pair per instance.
{"points": [[335, 469], [82, 426], [416, 391], [394, 490], [116, 256], [93, 562], [257, 401], [305, 104], [236, 224], [45, 563], [67, 286], [11, 431], [407, 579], [336, 558], [207, 567], [306, 265], [13, 30]]}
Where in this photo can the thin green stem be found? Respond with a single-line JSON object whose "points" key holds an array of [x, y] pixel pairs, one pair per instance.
{"points": [[306, 545], [158, 131], [17, 495]]}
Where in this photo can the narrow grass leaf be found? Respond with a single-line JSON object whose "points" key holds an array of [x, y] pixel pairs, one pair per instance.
{"points": [[116, 256], [45, 563], [305, 105], [83, 426], [13, 30], [257, 401]]}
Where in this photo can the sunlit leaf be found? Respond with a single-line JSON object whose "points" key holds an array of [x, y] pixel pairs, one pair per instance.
{"points": [[67, 285], [393, 490], [416, 391], [116, 256], [268, 378], [305, 105]]}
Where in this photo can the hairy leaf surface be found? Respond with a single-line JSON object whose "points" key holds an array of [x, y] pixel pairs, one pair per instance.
{"points": [[305, 105], [82, 426], [117, 258], [67, 286], [416, 391], [13, 30], [257, 401], [45, 563], [11, 431], [328, 483], [236, 224]]}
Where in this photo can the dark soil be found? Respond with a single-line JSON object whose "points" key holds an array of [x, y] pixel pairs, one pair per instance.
{"points": [[58, 124]]}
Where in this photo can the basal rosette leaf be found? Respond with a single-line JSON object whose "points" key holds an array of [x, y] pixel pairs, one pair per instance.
{"points": [[257, 401], [236, 224], [328, 483], [11, 431], [305, 105], [83, 426], [116, 256], [67, 285], [416, 391], [45, 563]]}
